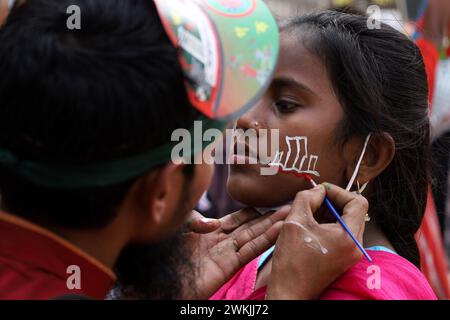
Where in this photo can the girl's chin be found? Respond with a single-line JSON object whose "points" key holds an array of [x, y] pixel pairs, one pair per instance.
{"points": [[263, 191], [249, 196]]}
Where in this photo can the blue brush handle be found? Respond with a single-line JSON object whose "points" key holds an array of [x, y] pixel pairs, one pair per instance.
{"points": [[338, 217]]}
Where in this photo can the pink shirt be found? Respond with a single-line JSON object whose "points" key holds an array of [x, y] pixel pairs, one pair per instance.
{"points": [[398, 280]]}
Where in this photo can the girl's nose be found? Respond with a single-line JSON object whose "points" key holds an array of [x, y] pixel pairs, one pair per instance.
{"points": [[250, 120]]}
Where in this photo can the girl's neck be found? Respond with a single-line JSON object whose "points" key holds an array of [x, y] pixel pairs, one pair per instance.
{"points": [[373, 236]]}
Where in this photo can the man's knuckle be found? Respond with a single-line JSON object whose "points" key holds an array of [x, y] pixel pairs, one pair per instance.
{"points": [[363, 201], [289, 229], [303, 195]]}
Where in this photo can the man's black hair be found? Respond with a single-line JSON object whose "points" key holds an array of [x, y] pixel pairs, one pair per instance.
{"points": [[112, 89]]}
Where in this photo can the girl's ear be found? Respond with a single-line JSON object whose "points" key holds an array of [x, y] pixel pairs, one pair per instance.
{"points": [[379, 154]]}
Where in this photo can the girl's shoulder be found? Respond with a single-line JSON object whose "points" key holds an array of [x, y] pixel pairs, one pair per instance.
{"points": [[388, 277]]}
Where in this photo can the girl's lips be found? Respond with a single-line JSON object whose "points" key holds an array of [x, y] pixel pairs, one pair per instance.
{"points": [[244, 154]]}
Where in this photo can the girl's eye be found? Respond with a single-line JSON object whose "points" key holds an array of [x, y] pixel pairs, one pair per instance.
{"points": [[285, 106]]}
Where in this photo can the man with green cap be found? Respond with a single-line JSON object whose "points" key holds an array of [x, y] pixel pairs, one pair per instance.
{"points": [[91, 198]]}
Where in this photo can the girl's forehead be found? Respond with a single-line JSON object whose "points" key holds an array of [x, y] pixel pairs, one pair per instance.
{"points": [[294, 50], [300, 63]]}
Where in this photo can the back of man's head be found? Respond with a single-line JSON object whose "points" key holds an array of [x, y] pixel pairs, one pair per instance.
{"points": [[109, 90]]}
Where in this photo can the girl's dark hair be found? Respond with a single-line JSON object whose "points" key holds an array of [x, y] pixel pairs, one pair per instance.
{"points": [[380, 80]]}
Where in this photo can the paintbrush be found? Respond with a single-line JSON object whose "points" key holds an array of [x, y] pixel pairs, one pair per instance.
{"points": [[330, 207]]}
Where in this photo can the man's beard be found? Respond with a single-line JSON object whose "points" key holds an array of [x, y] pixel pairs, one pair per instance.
{"points": [[156, 271], [162, 271]]}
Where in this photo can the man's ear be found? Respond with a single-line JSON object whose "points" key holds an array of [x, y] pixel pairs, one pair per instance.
{"points": [[158, 195], [379, 154]]}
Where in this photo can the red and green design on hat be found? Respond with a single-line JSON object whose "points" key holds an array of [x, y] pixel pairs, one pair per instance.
{"points": [[229, 50], [232, 8]]}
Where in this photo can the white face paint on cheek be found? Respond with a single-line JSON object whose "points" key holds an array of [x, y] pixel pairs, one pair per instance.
{"points": [[309, 239], [297, 158]]}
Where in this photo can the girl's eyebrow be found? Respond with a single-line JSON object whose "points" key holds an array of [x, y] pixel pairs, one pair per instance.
{"points": [[290, 83]]}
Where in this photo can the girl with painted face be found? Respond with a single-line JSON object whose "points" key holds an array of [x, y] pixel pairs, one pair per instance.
{"points": [[356, 99]]}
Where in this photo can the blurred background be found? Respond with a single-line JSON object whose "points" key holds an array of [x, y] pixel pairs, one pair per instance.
{"points": [[408, 8], [397, 13]]}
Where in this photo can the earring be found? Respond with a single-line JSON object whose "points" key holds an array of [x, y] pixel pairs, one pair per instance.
{"points": [[256, 124], [361, 188], [360, 191]]}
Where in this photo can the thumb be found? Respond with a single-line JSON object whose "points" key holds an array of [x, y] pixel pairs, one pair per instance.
{"points": [[199, 224]]}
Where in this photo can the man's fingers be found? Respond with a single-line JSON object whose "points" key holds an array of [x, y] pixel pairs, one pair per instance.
{"points": [[354, 213], [338, 196], [259, 245], [255, 228], [273, 217], [236, 219], [199, 224], [354, 207], [306, 203]]}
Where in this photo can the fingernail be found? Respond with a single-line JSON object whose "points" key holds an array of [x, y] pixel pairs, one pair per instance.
{"points": [[207, 220]]}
